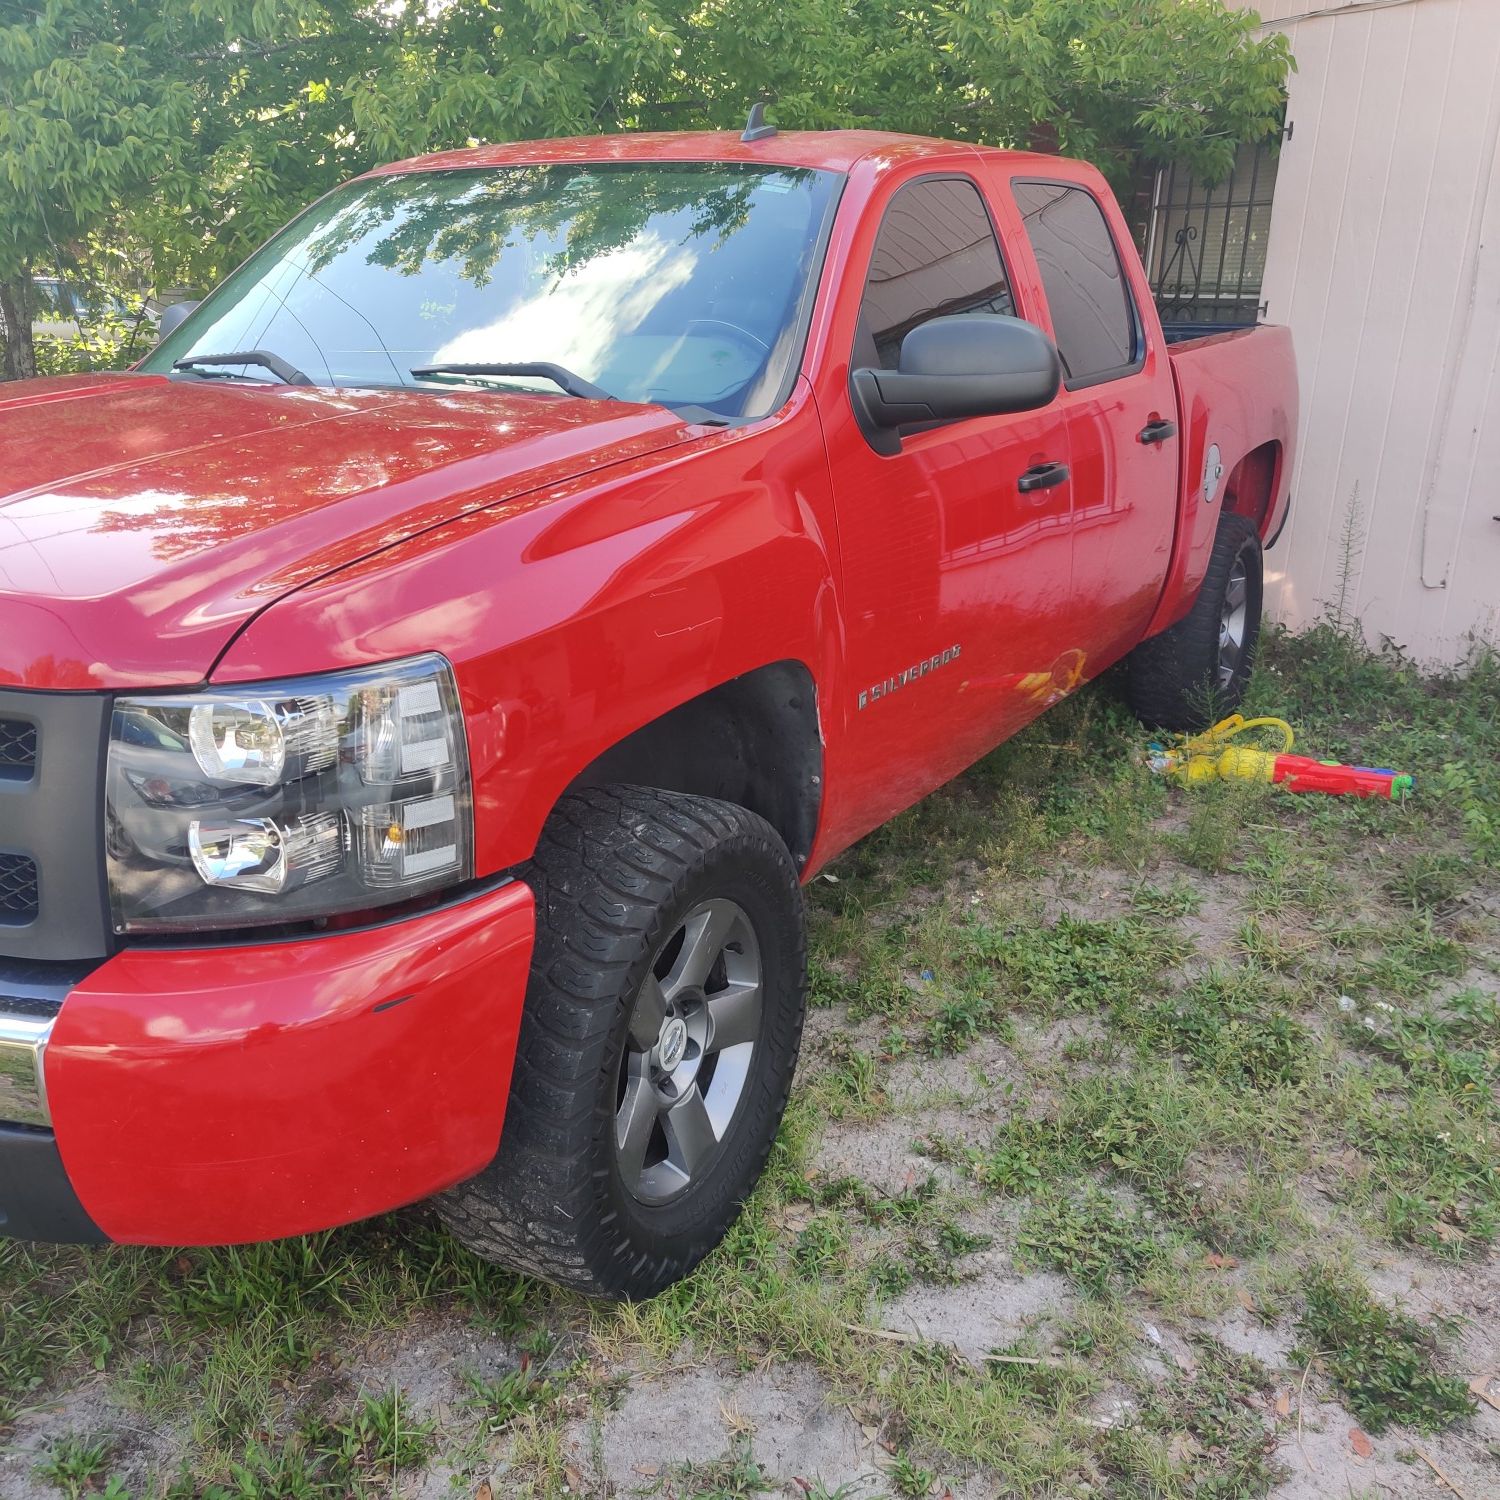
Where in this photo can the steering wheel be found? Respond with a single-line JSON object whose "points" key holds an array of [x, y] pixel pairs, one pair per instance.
{"points": [[734, 328]]}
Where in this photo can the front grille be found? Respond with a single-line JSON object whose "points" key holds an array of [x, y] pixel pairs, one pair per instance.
{"points": [[19, 900], [17, 749], [53, 902]]}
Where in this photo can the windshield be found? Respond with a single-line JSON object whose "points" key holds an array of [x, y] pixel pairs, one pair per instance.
{"points": [[680, 283]]}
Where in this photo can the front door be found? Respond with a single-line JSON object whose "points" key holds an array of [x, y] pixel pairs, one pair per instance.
{"points": [[956, 559]]}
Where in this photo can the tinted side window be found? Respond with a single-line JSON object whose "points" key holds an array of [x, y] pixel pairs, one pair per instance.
{"points": [[936, 254], [1092, 313]]}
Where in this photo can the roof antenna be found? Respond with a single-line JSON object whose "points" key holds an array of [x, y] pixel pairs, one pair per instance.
{"points": [[756, 128]]}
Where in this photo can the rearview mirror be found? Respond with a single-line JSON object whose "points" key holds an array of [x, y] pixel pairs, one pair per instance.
{"points": [[968, 365], [173, 316]]}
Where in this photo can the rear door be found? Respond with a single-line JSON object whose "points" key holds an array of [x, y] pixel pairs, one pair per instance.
{"points": [[1119, 405]]}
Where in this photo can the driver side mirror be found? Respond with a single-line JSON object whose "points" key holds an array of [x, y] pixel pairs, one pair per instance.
{"points": [[967, 365]]}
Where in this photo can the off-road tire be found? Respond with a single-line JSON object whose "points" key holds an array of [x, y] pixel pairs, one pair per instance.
{"points": [[614, 873], [1174, 678]]}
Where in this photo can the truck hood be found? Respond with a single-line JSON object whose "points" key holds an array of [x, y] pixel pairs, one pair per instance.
{"points": [[143, 520]]}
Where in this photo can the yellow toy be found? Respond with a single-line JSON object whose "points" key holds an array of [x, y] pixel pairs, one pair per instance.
{"points": [[1213, 756]]}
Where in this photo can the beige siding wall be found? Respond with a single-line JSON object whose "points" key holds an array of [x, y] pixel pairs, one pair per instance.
{"points": [[1385, 259]]}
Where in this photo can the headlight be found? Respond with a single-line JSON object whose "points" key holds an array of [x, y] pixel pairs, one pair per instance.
{"points": [[285, 801]]}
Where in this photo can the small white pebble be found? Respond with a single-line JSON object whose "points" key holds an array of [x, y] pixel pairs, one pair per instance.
{"points": [[1152, 1332], [1346, 1003]]}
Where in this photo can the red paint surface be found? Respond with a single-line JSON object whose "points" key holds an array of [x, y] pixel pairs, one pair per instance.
{"points": [[249, 1093], [586, 567], [144, 521]]}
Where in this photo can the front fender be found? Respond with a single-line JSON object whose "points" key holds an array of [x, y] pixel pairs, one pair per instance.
{"points": [[576, 615]]}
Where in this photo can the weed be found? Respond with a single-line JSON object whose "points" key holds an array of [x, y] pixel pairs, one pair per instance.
{"points": [[959, 1023], [1455, 1051], [1381, 1360], [889, 1277], [377, 1438], [848, 1088], [1032, 1375], [1214, 835], [501, 1400], [733, 1476], [1078, 965], [1429, 880], [909, 1479], [934, 1254], [821, 1246], [1090, 1239], [1229, 1023], [1199, 1433], [1180, 899], [1026, 1155], [73, 1462], [1434, 1164]]}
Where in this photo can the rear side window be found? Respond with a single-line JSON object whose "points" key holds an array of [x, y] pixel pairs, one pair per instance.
{"points": [[1092, 313], [936, 254]]}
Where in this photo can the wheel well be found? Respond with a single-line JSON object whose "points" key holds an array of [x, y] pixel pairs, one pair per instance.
{"points": [[753, 740], [1252, 485]]}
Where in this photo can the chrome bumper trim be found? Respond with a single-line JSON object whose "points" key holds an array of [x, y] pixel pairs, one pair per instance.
{"points": [[25, 1027]]}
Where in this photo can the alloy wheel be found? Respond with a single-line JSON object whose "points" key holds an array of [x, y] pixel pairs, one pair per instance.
{"points": [[693, 1031], [1232, 621]]}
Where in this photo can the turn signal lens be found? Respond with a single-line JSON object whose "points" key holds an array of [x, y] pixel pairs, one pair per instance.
{"points": [[408, 841]]}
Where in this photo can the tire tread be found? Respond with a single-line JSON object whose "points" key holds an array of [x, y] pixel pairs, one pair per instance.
{"points": [[1170, 681], [606, 864]]}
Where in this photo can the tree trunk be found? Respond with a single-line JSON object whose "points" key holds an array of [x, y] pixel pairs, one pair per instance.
{"points": [[15, 314]]}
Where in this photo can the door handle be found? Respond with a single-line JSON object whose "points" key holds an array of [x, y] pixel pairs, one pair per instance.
{"points": [[1042, 477], [1157, 431]]}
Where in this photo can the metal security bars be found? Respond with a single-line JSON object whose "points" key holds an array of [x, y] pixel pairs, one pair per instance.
{"points": [[1206, 246]]}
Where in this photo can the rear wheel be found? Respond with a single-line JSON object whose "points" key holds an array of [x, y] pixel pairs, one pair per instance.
{"points": [[1196, 672], [657, 1046]]}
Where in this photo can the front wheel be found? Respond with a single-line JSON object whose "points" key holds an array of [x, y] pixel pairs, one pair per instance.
{"points": [[657, 1046], [1194, 673]]}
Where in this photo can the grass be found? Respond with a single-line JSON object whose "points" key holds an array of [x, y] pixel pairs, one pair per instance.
{"points": [[1091, 1240], [73, 1462], [1381, 1360], [1201, 1433], [1204, 1059]]}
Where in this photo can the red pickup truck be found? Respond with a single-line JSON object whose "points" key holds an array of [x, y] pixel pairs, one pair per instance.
{"points": [[427, 679]]}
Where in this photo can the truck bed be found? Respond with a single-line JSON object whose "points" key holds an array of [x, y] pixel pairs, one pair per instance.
{"points": [[1237, 394]]}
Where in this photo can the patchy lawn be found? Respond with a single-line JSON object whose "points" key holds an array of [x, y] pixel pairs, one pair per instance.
{"points": [[1145, 1145]]}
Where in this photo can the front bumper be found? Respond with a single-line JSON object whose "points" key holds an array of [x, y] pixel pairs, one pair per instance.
{"points": [[222, 1095], [37, 1202]]}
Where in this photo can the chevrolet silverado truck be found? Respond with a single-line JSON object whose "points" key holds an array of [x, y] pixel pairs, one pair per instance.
{"points": [[428, 679]]}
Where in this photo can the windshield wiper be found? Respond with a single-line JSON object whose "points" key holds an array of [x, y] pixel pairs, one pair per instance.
{"points": [[563, 379], [287, 373]]}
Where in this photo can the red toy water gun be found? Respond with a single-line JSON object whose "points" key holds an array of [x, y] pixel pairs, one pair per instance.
{"points": [[1213, 756]]}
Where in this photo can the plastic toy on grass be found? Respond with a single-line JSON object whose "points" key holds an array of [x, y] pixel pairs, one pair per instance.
{"points": [[1213, 756]]}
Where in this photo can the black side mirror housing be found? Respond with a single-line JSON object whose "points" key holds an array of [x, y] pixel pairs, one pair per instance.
{"points": [[967, 365], [173, 316]]}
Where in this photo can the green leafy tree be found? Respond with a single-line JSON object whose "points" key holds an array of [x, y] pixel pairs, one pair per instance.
{"points": [[114, 115], [1120, 82], [157, 142]]}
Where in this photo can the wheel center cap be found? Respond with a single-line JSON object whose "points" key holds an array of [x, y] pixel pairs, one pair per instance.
{"points": [[672, 1043]]}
